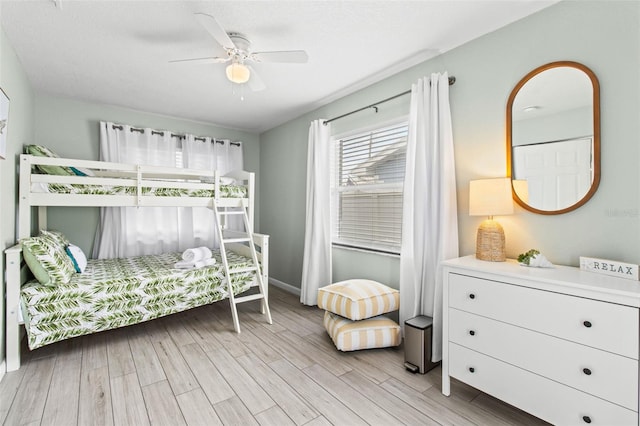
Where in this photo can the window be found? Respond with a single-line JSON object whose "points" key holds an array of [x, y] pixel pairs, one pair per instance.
{"points": [[367, 188], [179, 160]]}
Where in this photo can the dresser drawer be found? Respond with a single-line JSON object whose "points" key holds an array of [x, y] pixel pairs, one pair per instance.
{"points": [[549, 400], [602, 325], [594, 371]]}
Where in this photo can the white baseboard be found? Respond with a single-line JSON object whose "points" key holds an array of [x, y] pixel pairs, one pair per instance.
{"points": [[3, 369], [284, 286]]}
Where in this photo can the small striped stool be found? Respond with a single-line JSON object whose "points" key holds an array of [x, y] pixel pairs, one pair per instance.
{"points": [[353, 314]]}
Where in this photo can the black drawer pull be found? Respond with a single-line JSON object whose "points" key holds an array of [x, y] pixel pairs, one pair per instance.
{"points": [[472, 296], [586, 419], [587, 324], [471, 332], [586, 371], [472, 370]]}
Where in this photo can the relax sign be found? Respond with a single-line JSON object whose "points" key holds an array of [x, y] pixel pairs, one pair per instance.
{"points": [[609, 267]]}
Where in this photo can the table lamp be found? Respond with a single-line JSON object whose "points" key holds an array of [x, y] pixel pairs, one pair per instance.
{"points": [[489, 197]]}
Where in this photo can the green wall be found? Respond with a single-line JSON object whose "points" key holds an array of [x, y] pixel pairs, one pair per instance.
{"points": [[15, 84], [71, 129], [603, 35]]}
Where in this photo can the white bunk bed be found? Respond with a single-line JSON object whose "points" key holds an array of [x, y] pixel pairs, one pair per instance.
{"points": [[124, 185], [136, 186]]}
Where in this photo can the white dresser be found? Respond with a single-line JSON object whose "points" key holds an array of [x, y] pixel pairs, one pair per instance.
{"points": [[559, 343]]}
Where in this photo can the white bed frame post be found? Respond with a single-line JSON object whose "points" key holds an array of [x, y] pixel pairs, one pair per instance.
{"points": [[24, 206], [12, 320], [262, 241], [251, 195]]}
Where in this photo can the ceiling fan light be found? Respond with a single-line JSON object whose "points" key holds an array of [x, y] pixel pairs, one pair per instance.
{"points": [[238, 73]]}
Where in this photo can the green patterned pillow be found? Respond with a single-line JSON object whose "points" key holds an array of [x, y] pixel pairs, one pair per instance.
{"points": [[57, 237], [41, 151], [47, 260], [34, 265]]}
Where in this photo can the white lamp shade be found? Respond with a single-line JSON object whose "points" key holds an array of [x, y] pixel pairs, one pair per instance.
{"points": [[238, 73], [490, 197]]}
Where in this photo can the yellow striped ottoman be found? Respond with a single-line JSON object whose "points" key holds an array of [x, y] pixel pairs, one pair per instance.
{"points": [[358, 299], [376, 332]]}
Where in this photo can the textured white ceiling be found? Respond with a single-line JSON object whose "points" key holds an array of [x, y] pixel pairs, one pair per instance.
{"points": [[118, 52]]}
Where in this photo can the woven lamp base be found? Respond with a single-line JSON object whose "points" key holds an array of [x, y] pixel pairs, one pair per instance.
{"points": [[490, 242]]}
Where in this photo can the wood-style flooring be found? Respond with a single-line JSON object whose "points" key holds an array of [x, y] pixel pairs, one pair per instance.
{"points": [[193, 369]]}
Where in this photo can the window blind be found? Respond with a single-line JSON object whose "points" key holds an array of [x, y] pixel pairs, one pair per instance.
{"points": [[367, 189]]}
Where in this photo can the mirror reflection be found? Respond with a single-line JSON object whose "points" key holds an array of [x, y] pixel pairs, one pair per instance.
{"points": [[553, 138]]}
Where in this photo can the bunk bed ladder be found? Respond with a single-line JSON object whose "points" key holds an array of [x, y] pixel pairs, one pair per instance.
{"points": [[245, 237]]}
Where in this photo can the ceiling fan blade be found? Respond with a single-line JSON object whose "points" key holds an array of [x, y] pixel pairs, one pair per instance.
{"points": [[215, 29], [255, 82], [208, 60], [288, 56]]}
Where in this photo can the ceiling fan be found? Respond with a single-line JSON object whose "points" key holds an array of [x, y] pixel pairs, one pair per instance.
{"points": [[234, 48]]}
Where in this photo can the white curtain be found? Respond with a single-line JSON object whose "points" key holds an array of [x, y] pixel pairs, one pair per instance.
{"points": [[211, 154], [133, 231], [430, 221], [316, 265], [207, 154]]}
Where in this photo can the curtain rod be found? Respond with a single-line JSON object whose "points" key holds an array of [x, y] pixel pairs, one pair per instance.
{"points": [[452, 81], [173, 135]]}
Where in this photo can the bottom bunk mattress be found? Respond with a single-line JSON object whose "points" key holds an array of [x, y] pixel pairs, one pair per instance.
{"points": [[113, 293]]}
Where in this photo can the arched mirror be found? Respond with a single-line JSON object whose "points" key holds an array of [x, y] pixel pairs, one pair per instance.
{"points": [[553, 138]]}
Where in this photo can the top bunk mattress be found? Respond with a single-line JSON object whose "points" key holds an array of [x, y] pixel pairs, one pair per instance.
{"points": [[114, 293], [226, 191]]}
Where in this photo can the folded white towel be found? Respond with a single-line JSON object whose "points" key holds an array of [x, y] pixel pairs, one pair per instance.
{"points": [[195, 254], [540, 261], [184, 264]]}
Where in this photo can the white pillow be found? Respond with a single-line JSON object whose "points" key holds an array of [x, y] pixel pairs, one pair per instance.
{"points": [[39, 187], [78, 257], [224, 180]]}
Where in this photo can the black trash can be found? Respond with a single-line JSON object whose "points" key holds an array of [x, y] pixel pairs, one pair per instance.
{"points": [[417, 344]]}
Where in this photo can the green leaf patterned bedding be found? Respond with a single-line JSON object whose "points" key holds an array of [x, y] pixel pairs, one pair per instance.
{"points": [[113, 293], [226, 191]]}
